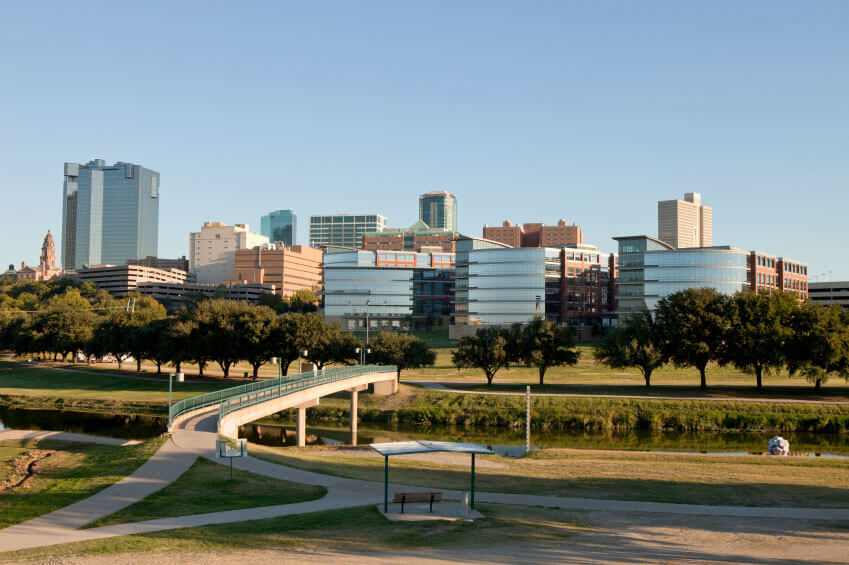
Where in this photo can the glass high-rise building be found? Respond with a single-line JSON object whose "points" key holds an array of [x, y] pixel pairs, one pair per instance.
{"points": [[344, 230], [438, 210], [110, 213], [280, 225]]}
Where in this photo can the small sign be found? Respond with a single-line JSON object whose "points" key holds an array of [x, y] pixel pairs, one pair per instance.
{"points": [[229, 448]]}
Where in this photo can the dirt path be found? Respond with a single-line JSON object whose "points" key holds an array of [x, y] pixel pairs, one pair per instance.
{"points": [[25, 468], [637, 538]]}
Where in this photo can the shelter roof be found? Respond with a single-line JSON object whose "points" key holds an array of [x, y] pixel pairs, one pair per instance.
{"points": [[405, 447]]}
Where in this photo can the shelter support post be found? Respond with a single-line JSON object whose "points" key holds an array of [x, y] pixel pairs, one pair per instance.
{"points": [[472, 498], [385, 484]]}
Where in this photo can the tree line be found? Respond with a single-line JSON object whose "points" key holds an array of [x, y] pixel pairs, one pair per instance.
{"points": [[69, 320], [756, 333]]}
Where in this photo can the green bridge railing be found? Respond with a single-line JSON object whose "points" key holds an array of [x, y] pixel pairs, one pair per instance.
{"points": [[237, 397]]}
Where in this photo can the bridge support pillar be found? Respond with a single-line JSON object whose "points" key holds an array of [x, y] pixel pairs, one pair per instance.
{"points": [[301, 422], [355, 392]]}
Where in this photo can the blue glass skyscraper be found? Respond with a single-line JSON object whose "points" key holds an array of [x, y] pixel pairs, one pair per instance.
{"points": [[109, 213], [280, 225]]}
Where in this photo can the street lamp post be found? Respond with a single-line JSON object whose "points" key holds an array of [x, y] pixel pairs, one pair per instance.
{"points": [[367, 303], [304, 353]]}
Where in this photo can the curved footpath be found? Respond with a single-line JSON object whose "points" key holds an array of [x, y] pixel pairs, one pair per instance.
{"points": [[196, 438], [448, 386]]}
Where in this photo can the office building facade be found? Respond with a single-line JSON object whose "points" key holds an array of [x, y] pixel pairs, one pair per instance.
{"points": [[535, 234], [344, 230], [649, 270], [171, 287], [438, 209], [499, 285], [387, 289], [212, 250], [685, 223], [288, 268], [280, 226], [588, 279], [768, 273], [418, 237], [110, 213], [828, 293]]}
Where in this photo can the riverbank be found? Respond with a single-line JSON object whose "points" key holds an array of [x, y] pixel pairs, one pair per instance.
{"points": [[422, 407]]}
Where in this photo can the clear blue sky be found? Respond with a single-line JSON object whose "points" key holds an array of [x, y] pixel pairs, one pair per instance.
{"points": [[528, 111]]}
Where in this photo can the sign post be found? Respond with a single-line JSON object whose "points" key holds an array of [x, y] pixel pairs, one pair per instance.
{"points": [[230, 449]]}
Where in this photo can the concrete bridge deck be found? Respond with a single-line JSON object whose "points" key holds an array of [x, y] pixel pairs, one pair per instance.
{"points": [[230, 408]]}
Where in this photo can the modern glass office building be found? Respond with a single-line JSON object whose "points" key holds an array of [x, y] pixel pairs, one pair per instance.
{"points": [[109, 213], [280, 226], [497, 284], [439, 210], [649, 270], [387, 288], [344, 230]]}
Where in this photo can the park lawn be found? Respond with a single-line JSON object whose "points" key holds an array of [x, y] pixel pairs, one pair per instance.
{"points": [[74, 472], [588, 372], [351, 530], [726, 480], [18, 380], [206, 487]]}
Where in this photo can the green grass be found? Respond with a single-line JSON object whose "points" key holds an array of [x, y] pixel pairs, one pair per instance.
{"points": [[350, 530], [589, 372], [618, 475], [77, 471], [52, 388], [206, 487]]}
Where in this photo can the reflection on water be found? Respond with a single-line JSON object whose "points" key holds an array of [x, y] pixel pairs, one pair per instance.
{"points": [[125, 426], [514, 440]]}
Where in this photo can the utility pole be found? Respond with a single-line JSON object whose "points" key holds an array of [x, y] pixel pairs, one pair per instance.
{"points": [[527, 419]]}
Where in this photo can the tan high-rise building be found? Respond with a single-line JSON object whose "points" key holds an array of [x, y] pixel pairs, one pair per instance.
{"points": [[288, 268], [212, 250], [685, 223]]}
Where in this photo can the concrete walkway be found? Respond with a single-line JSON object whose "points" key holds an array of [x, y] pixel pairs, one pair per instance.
{"points": [[196, 438], [448, 386]]}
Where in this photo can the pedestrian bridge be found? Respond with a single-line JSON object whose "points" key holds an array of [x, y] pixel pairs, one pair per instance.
{"points": [[242, 404]]}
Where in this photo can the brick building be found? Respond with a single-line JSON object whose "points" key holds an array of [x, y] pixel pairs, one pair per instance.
{"points": [[535, 234], [288, 268], [768, 272], [588, 283]]}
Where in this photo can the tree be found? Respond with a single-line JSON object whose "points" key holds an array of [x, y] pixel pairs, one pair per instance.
{"points": [[296, 332], [137, 340], [254, 335], [486, 350], [694, 324], [633, 344], [759, 331], [819, 346], [180, 337], [403, 350], [303, 301], [544, 344], [215, 331], [333, 346]]}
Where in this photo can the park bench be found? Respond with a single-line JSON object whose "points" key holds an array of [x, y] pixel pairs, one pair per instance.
{"points": [[404, 497]]}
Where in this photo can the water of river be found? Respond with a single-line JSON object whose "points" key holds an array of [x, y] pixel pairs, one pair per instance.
{"points": [[506, 441]]}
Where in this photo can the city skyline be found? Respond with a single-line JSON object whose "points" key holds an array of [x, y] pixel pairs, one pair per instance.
{"points": [[752, 117]]}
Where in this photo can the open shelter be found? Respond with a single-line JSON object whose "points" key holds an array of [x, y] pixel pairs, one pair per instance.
{"points": [[421, 446]]}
